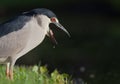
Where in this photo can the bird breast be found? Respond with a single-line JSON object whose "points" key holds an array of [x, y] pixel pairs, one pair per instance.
{"points": [[36, 36], [18, 43]]}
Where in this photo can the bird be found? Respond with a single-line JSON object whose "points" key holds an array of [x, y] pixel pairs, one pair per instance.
{"points": [[22, 33]]}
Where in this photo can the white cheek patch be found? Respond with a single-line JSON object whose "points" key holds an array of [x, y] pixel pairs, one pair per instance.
{"points": [[43, 22]]}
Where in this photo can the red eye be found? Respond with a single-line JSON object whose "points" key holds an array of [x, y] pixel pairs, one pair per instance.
{"points": [[53, 19]]}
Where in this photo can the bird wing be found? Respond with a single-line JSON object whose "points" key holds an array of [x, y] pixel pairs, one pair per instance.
{"points": [[13, 24], [13, 36]]}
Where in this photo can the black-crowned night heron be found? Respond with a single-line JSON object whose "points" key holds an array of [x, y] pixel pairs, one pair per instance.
{"points": [[23, 33]]}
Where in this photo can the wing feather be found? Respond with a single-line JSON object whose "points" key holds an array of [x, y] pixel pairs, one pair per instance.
{"points": [[13, 36]]}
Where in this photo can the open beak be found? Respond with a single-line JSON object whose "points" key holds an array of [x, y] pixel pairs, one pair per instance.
{"points": [[51, 35]]}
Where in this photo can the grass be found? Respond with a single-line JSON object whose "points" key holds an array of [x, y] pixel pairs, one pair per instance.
{"points": [[34, 75]]}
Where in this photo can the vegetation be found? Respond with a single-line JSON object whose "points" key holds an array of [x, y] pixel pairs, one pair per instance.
{"points": [[34, 75]]}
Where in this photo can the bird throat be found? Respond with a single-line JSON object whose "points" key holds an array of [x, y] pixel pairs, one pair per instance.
{"points": [[51, 35]]}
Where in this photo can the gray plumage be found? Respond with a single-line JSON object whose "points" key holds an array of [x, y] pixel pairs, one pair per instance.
{"points": [[12, 42], [13, 24]]}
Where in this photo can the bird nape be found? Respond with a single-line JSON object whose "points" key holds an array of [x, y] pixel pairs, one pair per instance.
{"points": [[23, 33]]}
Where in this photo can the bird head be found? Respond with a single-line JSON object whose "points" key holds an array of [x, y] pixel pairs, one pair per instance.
{"points": [[46, 17]]}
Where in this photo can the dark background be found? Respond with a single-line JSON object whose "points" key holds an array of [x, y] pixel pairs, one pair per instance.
{"points": [[92, 52]]}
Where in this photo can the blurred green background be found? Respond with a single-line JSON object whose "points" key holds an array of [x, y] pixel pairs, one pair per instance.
{"points": [[92, 52]]}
